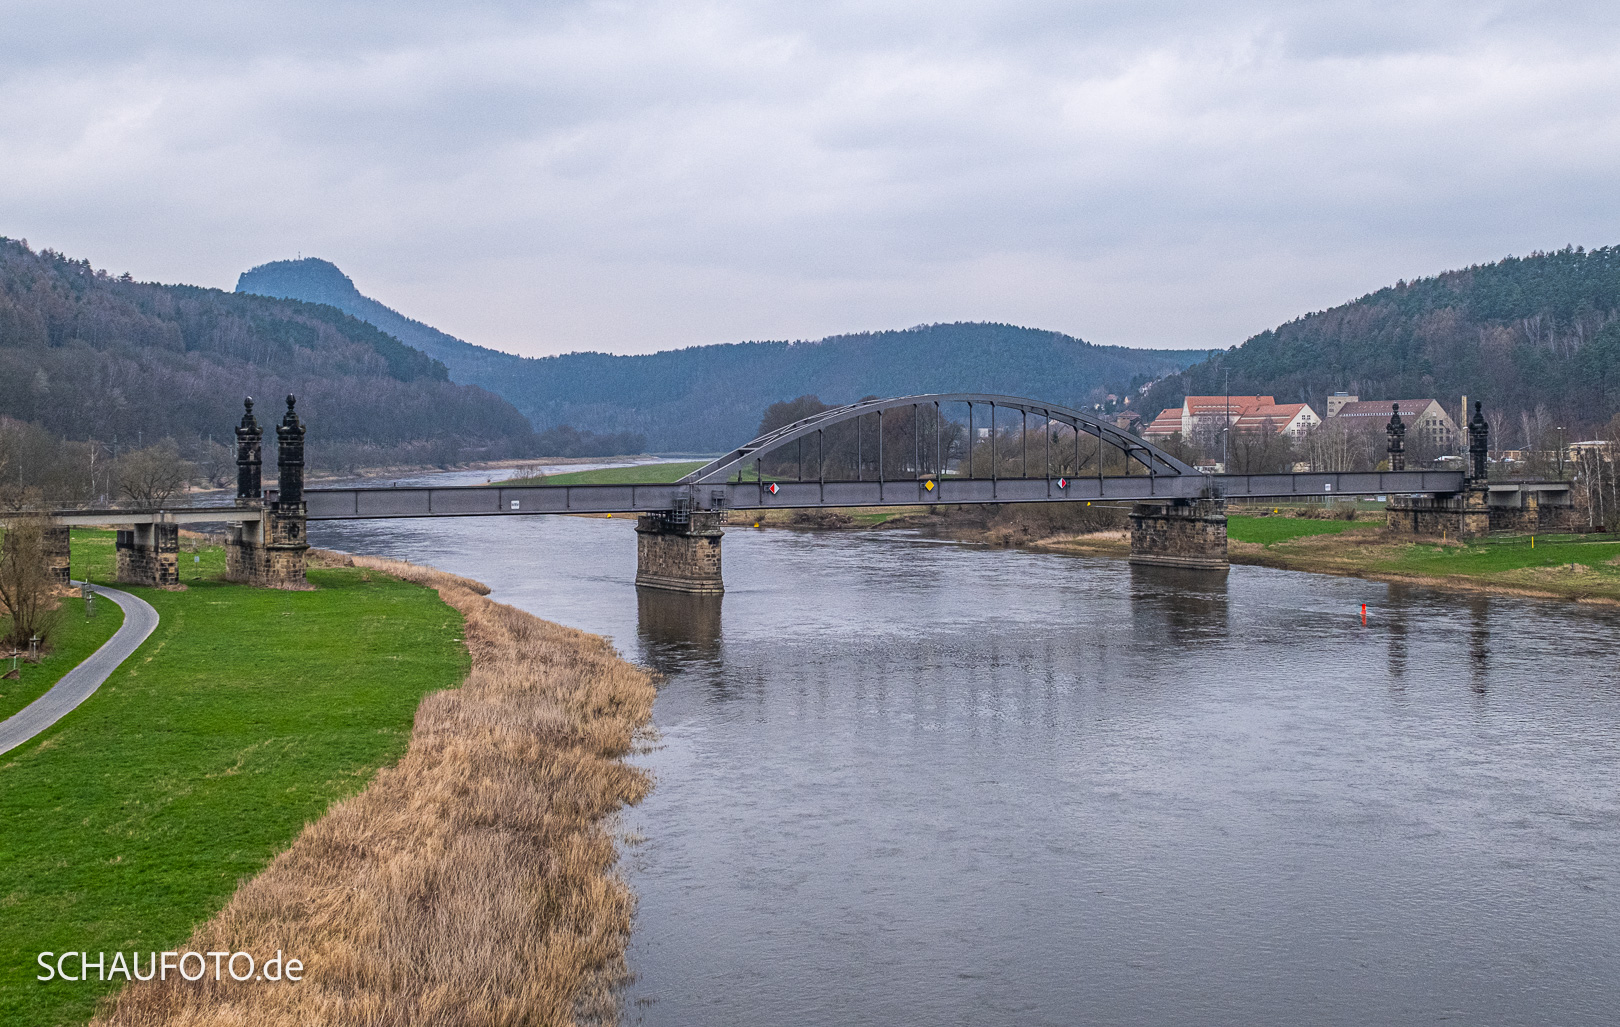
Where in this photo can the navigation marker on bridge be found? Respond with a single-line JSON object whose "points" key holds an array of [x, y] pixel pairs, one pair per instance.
{"points": [[771, 488], [929, 485], [1063, 483]]}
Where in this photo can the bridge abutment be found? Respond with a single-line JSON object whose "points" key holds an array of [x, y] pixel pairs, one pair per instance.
{"points": [[1518, 507], [58, 541], [147, 554], [679, 556], [1180, 533]]}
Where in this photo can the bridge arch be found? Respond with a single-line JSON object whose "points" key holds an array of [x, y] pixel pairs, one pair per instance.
{"points": [[1154, 460]]}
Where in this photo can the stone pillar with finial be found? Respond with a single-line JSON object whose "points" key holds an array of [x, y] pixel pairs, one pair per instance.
{"points": [[1396, 430], [270, 552], [286, 545], [249, 457], [244, 540], [1479, 442]]}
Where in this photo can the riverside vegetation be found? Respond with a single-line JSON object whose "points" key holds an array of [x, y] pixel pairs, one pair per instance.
{"points": [[258, 722]]}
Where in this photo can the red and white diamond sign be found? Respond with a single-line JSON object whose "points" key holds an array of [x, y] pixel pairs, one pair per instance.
{"points": [[771, 488], [1063, 483]]}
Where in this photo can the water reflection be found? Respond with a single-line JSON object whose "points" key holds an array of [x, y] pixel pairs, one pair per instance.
{"points": [[1479, 640], [1398, 599], [1178, 605], [677, 630]]}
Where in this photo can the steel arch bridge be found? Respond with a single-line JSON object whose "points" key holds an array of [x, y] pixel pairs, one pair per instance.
{"points": [[1108, 464]]}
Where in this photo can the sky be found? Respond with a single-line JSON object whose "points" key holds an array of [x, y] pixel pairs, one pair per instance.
{"points": [[635, 176]]}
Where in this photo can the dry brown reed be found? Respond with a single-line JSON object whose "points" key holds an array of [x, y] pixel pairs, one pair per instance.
{"points": [[471, 883]]}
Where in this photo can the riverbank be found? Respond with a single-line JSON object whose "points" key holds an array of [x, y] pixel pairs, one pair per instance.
{"points": [[254, 723], [471, 881], [1584, 568]]}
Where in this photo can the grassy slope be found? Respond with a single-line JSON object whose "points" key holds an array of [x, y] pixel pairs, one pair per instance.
{"points": [[76, 638], [243, 717], [639, 474]]}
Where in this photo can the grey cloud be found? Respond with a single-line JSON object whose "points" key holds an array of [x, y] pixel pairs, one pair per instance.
{"points": [[631, 176]]}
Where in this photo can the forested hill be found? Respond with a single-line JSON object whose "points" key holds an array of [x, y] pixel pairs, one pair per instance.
{"points": [[709, 398], [1523, 334], [89, 356], [320, 281]]}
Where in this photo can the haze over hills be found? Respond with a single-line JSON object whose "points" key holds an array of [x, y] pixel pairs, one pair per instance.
{"points": [[707, 398], [88, 356], [1536, 338]]}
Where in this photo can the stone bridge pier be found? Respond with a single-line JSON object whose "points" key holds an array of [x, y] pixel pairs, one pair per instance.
{"points": [[147, 554], [679, 551], [1180, 533], [59, 553]]}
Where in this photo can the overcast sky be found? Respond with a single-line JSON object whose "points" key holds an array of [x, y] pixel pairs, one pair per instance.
{"points": [[634, 176]]}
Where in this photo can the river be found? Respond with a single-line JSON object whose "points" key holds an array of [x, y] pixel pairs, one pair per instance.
{"points": [[907, 782]]}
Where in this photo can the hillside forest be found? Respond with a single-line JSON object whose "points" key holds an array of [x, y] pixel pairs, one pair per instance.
{"points": [[1536, 338], [94, 368]]}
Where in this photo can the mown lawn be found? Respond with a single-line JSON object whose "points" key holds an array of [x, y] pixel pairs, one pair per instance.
{"points": [[242, 718], [75, 637], [1267, 530], [1500, 556]]}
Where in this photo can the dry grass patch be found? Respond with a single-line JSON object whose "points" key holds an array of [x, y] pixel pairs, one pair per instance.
{"points": [[471, 883]]}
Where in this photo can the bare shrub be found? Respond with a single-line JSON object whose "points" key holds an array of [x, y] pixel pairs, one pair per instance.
{"points": [[26, 587], [472, 882]]}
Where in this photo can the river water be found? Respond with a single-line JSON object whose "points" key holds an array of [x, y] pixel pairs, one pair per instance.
{"points": [[907, 782]]}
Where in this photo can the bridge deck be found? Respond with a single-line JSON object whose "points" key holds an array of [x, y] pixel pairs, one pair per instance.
{"points": [[492, 500]]}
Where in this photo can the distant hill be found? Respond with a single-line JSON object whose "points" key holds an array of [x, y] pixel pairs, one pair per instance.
{"points": [[1536, 338], [707, 398], [89, 356], [319, 281]]}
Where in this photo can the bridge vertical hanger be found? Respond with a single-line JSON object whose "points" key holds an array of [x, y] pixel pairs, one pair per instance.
{"points": [[995, 469], [916, 434]]}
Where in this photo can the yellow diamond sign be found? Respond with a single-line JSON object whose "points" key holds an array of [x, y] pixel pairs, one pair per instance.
{"points": [[929, 485]]}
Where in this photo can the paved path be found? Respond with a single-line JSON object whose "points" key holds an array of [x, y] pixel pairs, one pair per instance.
{"points": [[78, 684]]}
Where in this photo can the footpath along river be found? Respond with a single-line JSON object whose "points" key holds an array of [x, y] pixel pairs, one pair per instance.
{"points": [[906, 782]]}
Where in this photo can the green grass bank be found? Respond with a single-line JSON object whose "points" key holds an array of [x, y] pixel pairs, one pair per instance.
{"points": [[1582, 567], [244, 716]]}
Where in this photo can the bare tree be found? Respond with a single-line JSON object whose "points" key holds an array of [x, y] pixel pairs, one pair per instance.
{"points": [[25, 583], [215, 464], [1260, 449], [150, 478]]}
